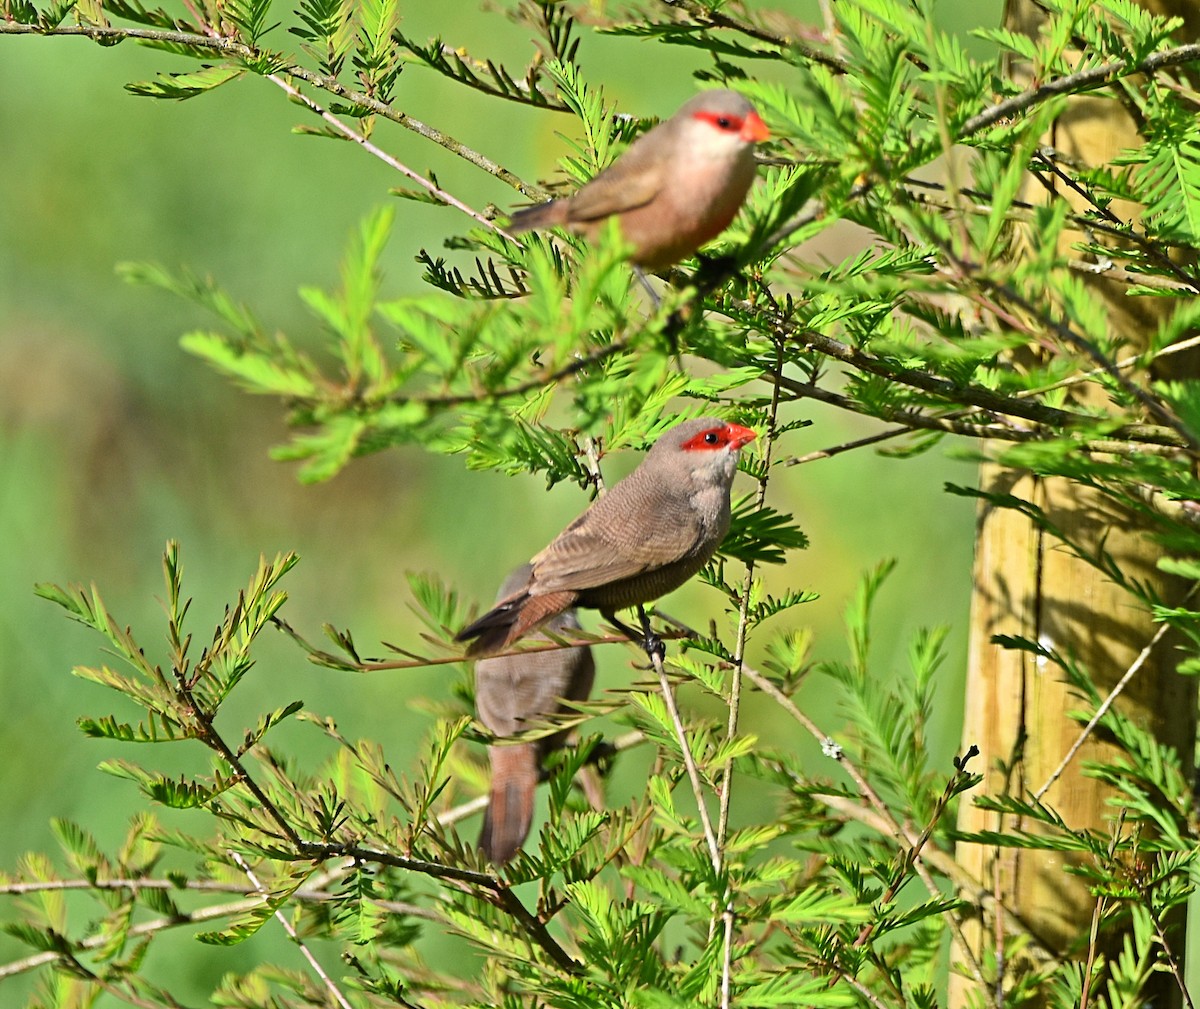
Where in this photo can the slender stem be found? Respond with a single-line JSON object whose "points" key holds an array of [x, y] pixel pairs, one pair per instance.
{"points": [[235, 48], [74, 966], [1107, 703], [914, 851], [592, 452], [313, 962], [142, 928], [1044, 420], [1171, 958], [689, 761], [324, 658], [725, 792], [1069, 335], [867, 994], [382, 155], [538, 382], [711, 16], [1076, 83], [1101, 446], [899, 832], [311, 894]]}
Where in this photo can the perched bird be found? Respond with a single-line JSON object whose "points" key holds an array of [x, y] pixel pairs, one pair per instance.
{"points": [[513, 693], [644, 538], [674, 188]]}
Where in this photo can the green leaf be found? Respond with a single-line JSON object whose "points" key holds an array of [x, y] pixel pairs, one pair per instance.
{"points": [[246, 924], [761, 535], [254, 369], [186, 85]]}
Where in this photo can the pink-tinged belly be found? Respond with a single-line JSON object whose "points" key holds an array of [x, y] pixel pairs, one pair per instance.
{"points": [[695, 208]]}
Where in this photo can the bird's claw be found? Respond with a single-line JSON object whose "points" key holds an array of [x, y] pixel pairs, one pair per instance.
{"points": [[654, 646]]}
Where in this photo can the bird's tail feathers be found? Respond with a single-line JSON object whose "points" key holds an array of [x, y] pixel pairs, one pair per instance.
{"points": [[542, 215], [510, 808], [511, 619]]}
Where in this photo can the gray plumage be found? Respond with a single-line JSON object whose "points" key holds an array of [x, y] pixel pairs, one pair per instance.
{"points": [[647, 536], [514, 693], [674, 188]]}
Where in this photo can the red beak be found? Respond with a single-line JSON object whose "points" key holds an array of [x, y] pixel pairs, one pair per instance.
{"points": [[739, 435], [754, 130]]}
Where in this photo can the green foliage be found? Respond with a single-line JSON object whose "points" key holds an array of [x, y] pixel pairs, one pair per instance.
{"points": [[966, 310]]}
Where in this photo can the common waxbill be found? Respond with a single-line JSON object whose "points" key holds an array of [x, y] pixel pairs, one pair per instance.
{"points": [[513, 693], [644, 538], [674, 188]]}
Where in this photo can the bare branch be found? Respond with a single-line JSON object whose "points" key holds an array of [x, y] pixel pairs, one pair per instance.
{"points": [[382, 155], [241, 51], [715, 18], [1077, 83], [313, 962]]}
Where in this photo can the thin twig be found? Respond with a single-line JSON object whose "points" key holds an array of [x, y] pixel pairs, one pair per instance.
{"points": [[899, 832], [711, 16], [811, 214], [847, 446], [1172, 960], [1111, 226], [137, 930], [1100, 446], [1075, 339], [495, 889], [216, 911], [914, 851], [249, 54], [353, 135], [216, 742], [858, 986], [1052, 419], [303, 850], [689, 762], [1107, 703], [546, 378], [1097, 915], [725, 791], [74, 966], [788, 705], [909, 417], [313, 962], [332, 661], [1077, 83], [591, 448]]}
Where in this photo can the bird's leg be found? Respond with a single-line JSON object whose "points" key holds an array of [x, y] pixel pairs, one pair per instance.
{"points": [[654, 298], [650, 642], [624, 628]]}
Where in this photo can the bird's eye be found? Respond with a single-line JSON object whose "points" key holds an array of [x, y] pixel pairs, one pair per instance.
{"points": [[710, 438], [724, 122]]}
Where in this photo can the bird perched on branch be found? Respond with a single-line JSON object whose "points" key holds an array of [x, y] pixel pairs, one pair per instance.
{"points": [[641, 540], [674, 188], [514, 693]]}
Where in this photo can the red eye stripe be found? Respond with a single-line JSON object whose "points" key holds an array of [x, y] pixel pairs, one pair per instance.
{"points": [[750, 128], [722, 121], [719, 437]]}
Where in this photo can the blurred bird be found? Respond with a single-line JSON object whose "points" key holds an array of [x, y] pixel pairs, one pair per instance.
{"points": [[674, 188], [513, 693], [641, 540]]}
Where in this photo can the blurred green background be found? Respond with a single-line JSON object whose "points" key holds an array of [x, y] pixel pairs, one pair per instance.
{"points": [[112, 440]]}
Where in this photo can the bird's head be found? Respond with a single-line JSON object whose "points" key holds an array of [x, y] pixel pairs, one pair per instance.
{"points": [[706, 447], [722, 122]]}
